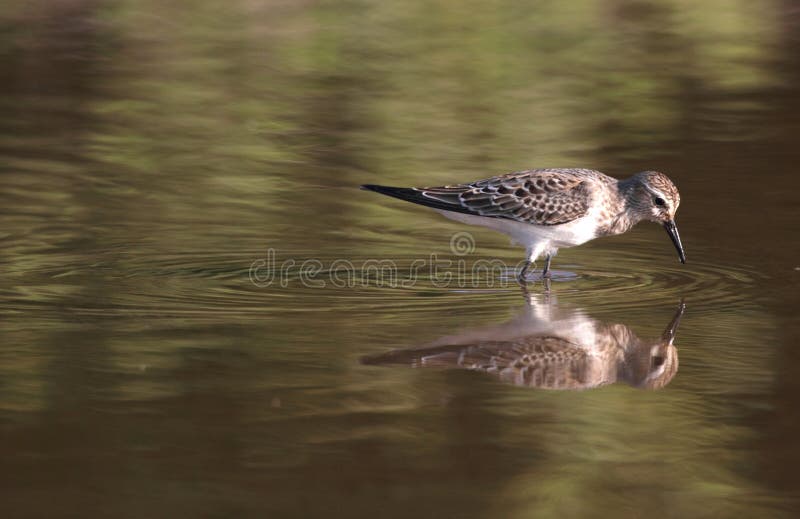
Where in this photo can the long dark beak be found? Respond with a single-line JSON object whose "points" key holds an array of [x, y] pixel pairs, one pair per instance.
{"points": [[672, 230], [669, 334]]}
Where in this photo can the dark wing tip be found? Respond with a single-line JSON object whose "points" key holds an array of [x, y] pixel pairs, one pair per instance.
{"points": [[408, 194], [386, 190], [417, 196]]}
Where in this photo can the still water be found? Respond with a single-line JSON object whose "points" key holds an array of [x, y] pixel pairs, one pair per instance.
{"points": [[168, 168]]}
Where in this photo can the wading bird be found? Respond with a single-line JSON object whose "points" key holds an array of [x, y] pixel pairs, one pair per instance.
{"points": [[547, 209]]}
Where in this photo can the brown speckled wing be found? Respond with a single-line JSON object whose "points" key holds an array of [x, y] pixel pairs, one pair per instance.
{"points": [[537, 361], [543, 197]]}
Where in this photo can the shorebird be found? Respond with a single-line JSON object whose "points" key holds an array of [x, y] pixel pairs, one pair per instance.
{"points": [[548, 209], [548, 347]]}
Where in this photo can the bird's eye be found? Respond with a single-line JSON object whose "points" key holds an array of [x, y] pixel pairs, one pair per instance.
{"points": [[658, 361], [659, 201]]}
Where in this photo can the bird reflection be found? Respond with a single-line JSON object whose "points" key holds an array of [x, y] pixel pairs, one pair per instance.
{"points": [[550, 347]]}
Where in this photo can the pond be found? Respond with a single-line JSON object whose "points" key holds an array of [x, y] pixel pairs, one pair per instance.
{"points": [[202, 315]]}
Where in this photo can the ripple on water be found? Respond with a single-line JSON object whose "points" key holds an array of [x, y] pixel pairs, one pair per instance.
{"points": [[222, 284]]}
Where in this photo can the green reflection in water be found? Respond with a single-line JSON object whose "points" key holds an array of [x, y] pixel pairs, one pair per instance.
{"points": [[152, 151]]}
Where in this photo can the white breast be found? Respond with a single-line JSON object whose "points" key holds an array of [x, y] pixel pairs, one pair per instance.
{"points": [[536, 238]]}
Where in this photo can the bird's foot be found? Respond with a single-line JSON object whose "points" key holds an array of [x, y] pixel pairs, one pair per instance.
{"points": [[526, 275], [525, 280]]}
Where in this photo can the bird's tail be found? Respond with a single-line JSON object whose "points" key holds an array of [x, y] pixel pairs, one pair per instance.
{"points": [[416, 196], [403, 193]]}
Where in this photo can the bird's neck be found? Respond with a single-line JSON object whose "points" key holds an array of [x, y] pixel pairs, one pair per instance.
{"points": [[630, 210]]}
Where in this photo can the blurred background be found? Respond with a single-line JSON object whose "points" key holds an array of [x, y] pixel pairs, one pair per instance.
{"points": [[150, 152]]}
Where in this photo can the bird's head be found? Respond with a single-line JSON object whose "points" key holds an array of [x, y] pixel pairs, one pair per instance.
{"points": [[652, 365], [655, 198]]}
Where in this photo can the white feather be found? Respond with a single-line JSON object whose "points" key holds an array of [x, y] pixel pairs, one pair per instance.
{"points": [[537, 239]]}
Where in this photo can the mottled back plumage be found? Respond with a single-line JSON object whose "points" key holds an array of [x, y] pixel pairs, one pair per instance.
{"points": [[536, 196], [545, 362], [542, 197]]}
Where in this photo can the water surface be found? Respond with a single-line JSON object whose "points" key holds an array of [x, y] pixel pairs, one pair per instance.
{"points": [[153, 155]]}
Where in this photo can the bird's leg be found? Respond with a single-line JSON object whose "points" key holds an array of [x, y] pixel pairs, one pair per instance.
{"points": [[530, 257], [546, 272], [523, 274]]}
